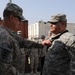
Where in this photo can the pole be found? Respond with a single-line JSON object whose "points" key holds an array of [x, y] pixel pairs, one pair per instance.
{"points": [[10, 1]]}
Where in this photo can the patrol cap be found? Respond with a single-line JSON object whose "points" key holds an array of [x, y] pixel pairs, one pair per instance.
{"points": [[42, 36], [58, 17], [16, 9]]}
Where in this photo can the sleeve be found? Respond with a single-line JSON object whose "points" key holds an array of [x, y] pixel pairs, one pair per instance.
{"points": [[72, 63], [31, 44], [25, 43]]}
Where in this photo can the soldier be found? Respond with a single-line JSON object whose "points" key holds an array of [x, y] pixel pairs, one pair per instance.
{"points": [[42, 53], [10, 44], [34, 59], [60, 58]]}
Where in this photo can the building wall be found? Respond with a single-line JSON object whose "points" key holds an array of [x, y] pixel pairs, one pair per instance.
{"points": [[71, 27], [24, 29], [37, 29], [32, 30], [44, 28]]}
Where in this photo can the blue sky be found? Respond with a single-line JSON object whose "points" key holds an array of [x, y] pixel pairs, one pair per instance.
{"points": [[36, 10]]}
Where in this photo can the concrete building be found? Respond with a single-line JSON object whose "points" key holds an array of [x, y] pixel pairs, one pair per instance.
{"points": [[37, 29], [41, 28], [71, 27]]}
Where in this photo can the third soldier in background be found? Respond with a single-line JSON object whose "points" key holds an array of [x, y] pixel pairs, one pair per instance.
{"points": [[42, 53], [34, 59]]}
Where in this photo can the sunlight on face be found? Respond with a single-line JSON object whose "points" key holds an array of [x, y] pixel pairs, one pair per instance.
{"points": [[55, 27]]}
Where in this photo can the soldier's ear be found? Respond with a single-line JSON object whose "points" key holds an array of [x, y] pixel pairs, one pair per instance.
{"points": [[63, 22], [11, 17]]}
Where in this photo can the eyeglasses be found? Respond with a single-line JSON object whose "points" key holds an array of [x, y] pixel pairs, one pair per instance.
{"points": [[53, 22], [18, 18]]}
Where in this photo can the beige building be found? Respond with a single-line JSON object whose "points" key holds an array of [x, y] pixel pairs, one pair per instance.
{"points": [[37, 29], [71, 27]]}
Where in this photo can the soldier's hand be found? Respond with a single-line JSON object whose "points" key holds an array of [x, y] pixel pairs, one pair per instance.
{"points": [[46, 42]]}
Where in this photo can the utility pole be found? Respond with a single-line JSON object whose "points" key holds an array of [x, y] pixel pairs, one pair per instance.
{"points": [[10, 1]]}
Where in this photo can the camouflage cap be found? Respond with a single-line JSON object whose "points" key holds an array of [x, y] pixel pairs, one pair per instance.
{"points": [[58, 17], [42, 36], [16, 9]]}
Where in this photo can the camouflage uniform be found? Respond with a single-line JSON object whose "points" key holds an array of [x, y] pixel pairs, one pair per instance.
{"points": [[34, 59], [10, 53], [11, 44], [60, 58], [23, 59], [42, 53]]}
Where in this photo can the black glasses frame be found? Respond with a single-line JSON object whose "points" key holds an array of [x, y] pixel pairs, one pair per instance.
{"points": [[18, 18]]}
